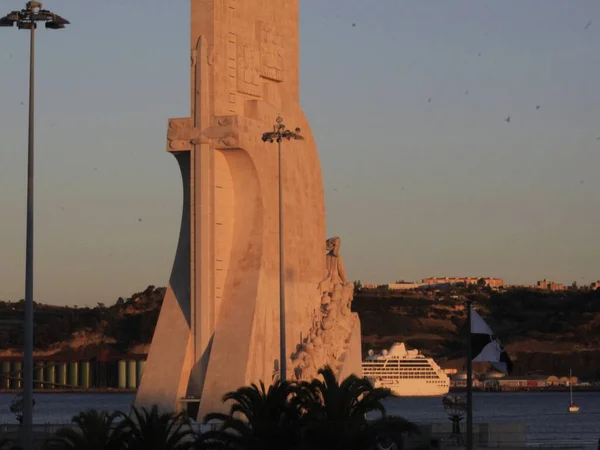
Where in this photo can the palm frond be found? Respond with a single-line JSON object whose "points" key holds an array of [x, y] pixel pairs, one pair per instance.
{"points": [[9, 444]]}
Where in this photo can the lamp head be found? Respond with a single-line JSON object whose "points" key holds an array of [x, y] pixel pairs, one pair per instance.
{"points": [[10, 19], [57, 22], [6, 22], [54, 26]]}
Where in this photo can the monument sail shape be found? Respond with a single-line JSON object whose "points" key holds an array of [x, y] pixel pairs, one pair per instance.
{"points": [[218, 328]]}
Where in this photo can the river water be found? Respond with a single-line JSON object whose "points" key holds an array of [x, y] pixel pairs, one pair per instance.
{"points": [[545, 414]]}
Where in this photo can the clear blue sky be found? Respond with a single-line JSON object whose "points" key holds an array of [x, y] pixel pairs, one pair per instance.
{"points": [[414, 187]]}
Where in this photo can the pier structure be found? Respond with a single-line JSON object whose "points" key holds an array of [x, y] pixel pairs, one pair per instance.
{"points": [[51, 373]]}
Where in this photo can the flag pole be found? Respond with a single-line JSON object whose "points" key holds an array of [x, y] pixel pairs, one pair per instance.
{"points": [[469, 380]]}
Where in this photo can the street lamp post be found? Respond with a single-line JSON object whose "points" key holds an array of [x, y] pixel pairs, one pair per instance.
{"points": [[27, 19], [278, 134]]}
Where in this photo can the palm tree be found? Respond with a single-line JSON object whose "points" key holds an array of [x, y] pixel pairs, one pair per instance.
{"points": [[335, 414], [95, 430], [258, 419], [389, 430], [152, 430], [8, 444]]}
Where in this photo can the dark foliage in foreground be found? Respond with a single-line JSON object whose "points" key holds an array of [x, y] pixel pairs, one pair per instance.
{"points": [[323, 414], [95, 430], [8, 444]]}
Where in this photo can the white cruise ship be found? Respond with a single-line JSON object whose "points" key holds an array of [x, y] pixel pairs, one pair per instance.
{"points": [[405, 372]]}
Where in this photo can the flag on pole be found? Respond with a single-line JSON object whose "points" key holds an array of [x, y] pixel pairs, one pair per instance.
{"points": [[485, 346]]}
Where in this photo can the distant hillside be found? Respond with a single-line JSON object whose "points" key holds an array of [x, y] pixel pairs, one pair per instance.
{"points": [[544, 332], [125, 327]]}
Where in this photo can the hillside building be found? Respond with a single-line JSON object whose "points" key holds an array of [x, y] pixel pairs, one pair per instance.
{"points": [[492, 282], [550, 286]]}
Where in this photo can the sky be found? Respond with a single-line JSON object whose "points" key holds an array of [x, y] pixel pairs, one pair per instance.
{"points": [[407, 100]]}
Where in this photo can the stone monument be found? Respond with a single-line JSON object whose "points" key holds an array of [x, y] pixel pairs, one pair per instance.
{"points": [[219, 324]]}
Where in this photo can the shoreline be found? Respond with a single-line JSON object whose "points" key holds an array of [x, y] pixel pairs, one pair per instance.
{"points": [[105, 391], [73, 391], [527, 389]]}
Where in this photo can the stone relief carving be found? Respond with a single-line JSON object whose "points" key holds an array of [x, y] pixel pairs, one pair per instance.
{"points": [[248, 68], [259, 57], [330, 333], [271, 48]]}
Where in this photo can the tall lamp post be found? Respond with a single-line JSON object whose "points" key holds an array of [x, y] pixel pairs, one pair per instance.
{"points": [[27, 19], [278, 134]]}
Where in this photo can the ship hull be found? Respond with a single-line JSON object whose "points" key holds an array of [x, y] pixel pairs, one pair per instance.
{"points": [[415, 388]]}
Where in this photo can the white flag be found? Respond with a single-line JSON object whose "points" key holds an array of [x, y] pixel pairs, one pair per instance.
{"points": [[485, 346]]}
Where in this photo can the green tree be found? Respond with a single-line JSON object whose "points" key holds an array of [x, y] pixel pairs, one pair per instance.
{"points": [[95, 430], [151, 430], [481, 282]]}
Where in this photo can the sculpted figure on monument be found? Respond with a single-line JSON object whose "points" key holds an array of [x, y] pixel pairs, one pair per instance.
{"points": [[329, 335], [336, 293], [334, 266]]}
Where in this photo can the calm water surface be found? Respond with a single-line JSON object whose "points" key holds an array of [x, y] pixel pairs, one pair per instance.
{"points": [[545, 414]]}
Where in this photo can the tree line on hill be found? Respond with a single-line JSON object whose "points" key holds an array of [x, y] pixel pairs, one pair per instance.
{"points": [[432, 320], [127, 322], [562, 329]]}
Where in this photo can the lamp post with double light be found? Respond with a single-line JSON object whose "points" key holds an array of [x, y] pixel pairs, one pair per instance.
{"points": [[279, 134], [27, 19]]}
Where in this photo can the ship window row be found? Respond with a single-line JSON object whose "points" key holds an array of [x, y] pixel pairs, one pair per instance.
{"points": [[410, 377], [409, 372], [396, 360], [422, 362], [398, 369], [388, 364], [431, 376], [407, 377], [398, 365]]}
